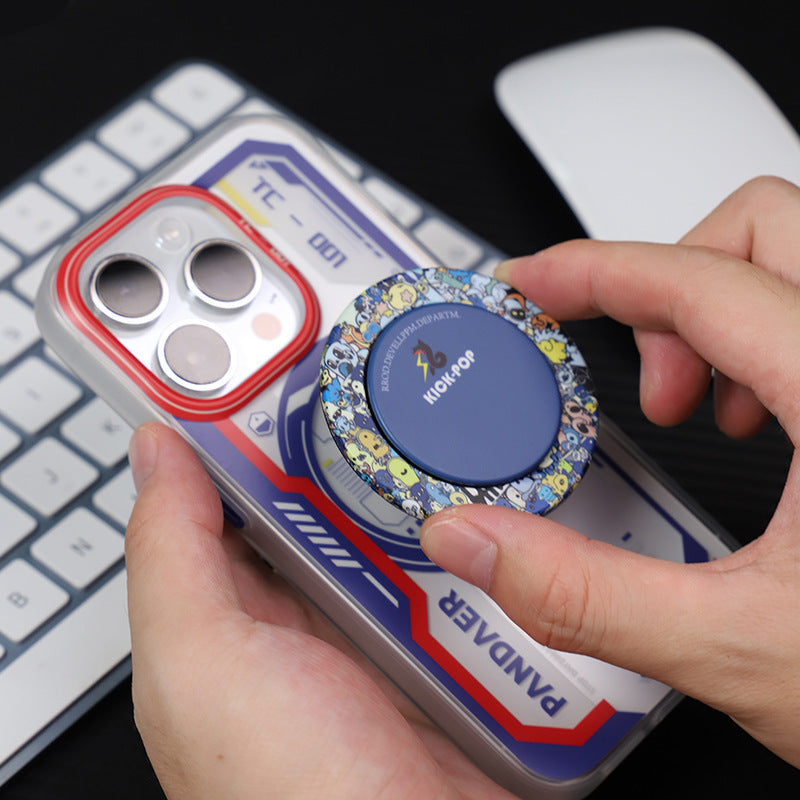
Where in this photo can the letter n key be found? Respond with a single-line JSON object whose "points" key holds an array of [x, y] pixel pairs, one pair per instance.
{"points": [[79, 548]]}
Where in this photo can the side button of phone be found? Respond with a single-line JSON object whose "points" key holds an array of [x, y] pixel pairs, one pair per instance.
{"points": [[231, 515]]}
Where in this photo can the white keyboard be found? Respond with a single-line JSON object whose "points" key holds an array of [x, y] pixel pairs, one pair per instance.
{"points": [[65, 487]]}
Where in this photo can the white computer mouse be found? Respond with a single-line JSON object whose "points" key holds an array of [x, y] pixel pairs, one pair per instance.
{"points": [[646, 131]]}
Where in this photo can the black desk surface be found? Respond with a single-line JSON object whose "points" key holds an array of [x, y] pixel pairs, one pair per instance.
{"points": [[411, 91]]}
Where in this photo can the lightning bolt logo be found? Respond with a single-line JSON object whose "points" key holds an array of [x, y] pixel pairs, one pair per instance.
{"points": [[423, 364], [432, 361]]}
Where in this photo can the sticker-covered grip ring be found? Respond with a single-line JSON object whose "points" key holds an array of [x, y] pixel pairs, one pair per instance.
{"points": [[443, 387]]}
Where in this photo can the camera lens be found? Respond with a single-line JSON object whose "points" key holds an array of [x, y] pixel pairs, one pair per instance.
{"points": [[195, 356], [128, 290], [223, 274]]}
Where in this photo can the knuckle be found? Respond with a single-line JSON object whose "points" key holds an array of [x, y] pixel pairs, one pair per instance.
{"points": [[563, 611], [766, 187], [704, 271], [141, 545]]}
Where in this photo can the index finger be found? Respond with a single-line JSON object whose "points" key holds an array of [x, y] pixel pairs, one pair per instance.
{"points": [[739, 318]]}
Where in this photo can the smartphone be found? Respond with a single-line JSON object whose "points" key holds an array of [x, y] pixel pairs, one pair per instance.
{"points": [[203, 299]]}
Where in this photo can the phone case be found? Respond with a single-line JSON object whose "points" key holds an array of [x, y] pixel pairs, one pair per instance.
{"points": [[542, 723]]}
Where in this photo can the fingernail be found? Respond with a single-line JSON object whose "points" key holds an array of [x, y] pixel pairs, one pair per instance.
{"points": [[142, 454], [650, 383], [461, 549], [503, 270]]}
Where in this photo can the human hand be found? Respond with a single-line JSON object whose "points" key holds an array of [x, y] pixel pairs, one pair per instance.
{"points": [[241, 688], [725, 632]]}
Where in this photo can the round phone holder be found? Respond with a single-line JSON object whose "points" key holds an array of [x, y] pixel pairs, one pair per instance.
{"points": [[443, 387]]}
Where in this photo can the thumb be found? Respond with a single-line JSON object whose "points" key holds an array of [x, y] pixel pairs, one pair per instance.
{"points": [[576, 594], [179, 577]]}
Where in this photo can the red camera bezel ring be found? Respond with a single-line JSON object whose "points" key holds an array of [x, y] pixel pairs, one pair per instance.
{"points": [[67, 286]]}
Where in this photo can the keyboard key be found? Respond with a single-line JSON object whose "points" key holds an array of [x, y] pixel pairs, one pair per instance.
{"points": [[27, 282], [9, 261], [48, 476], [452, 247], [255, 106], [79, 548], [18, 329], [143, 135], [32, 218], [9, 441], [61, 666], [198, 94], [27, 600], [34, 393], [352, 168], [99, 431], [488, 266], [88, 176], [15, 525], [401, 207], [117, 497]]}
